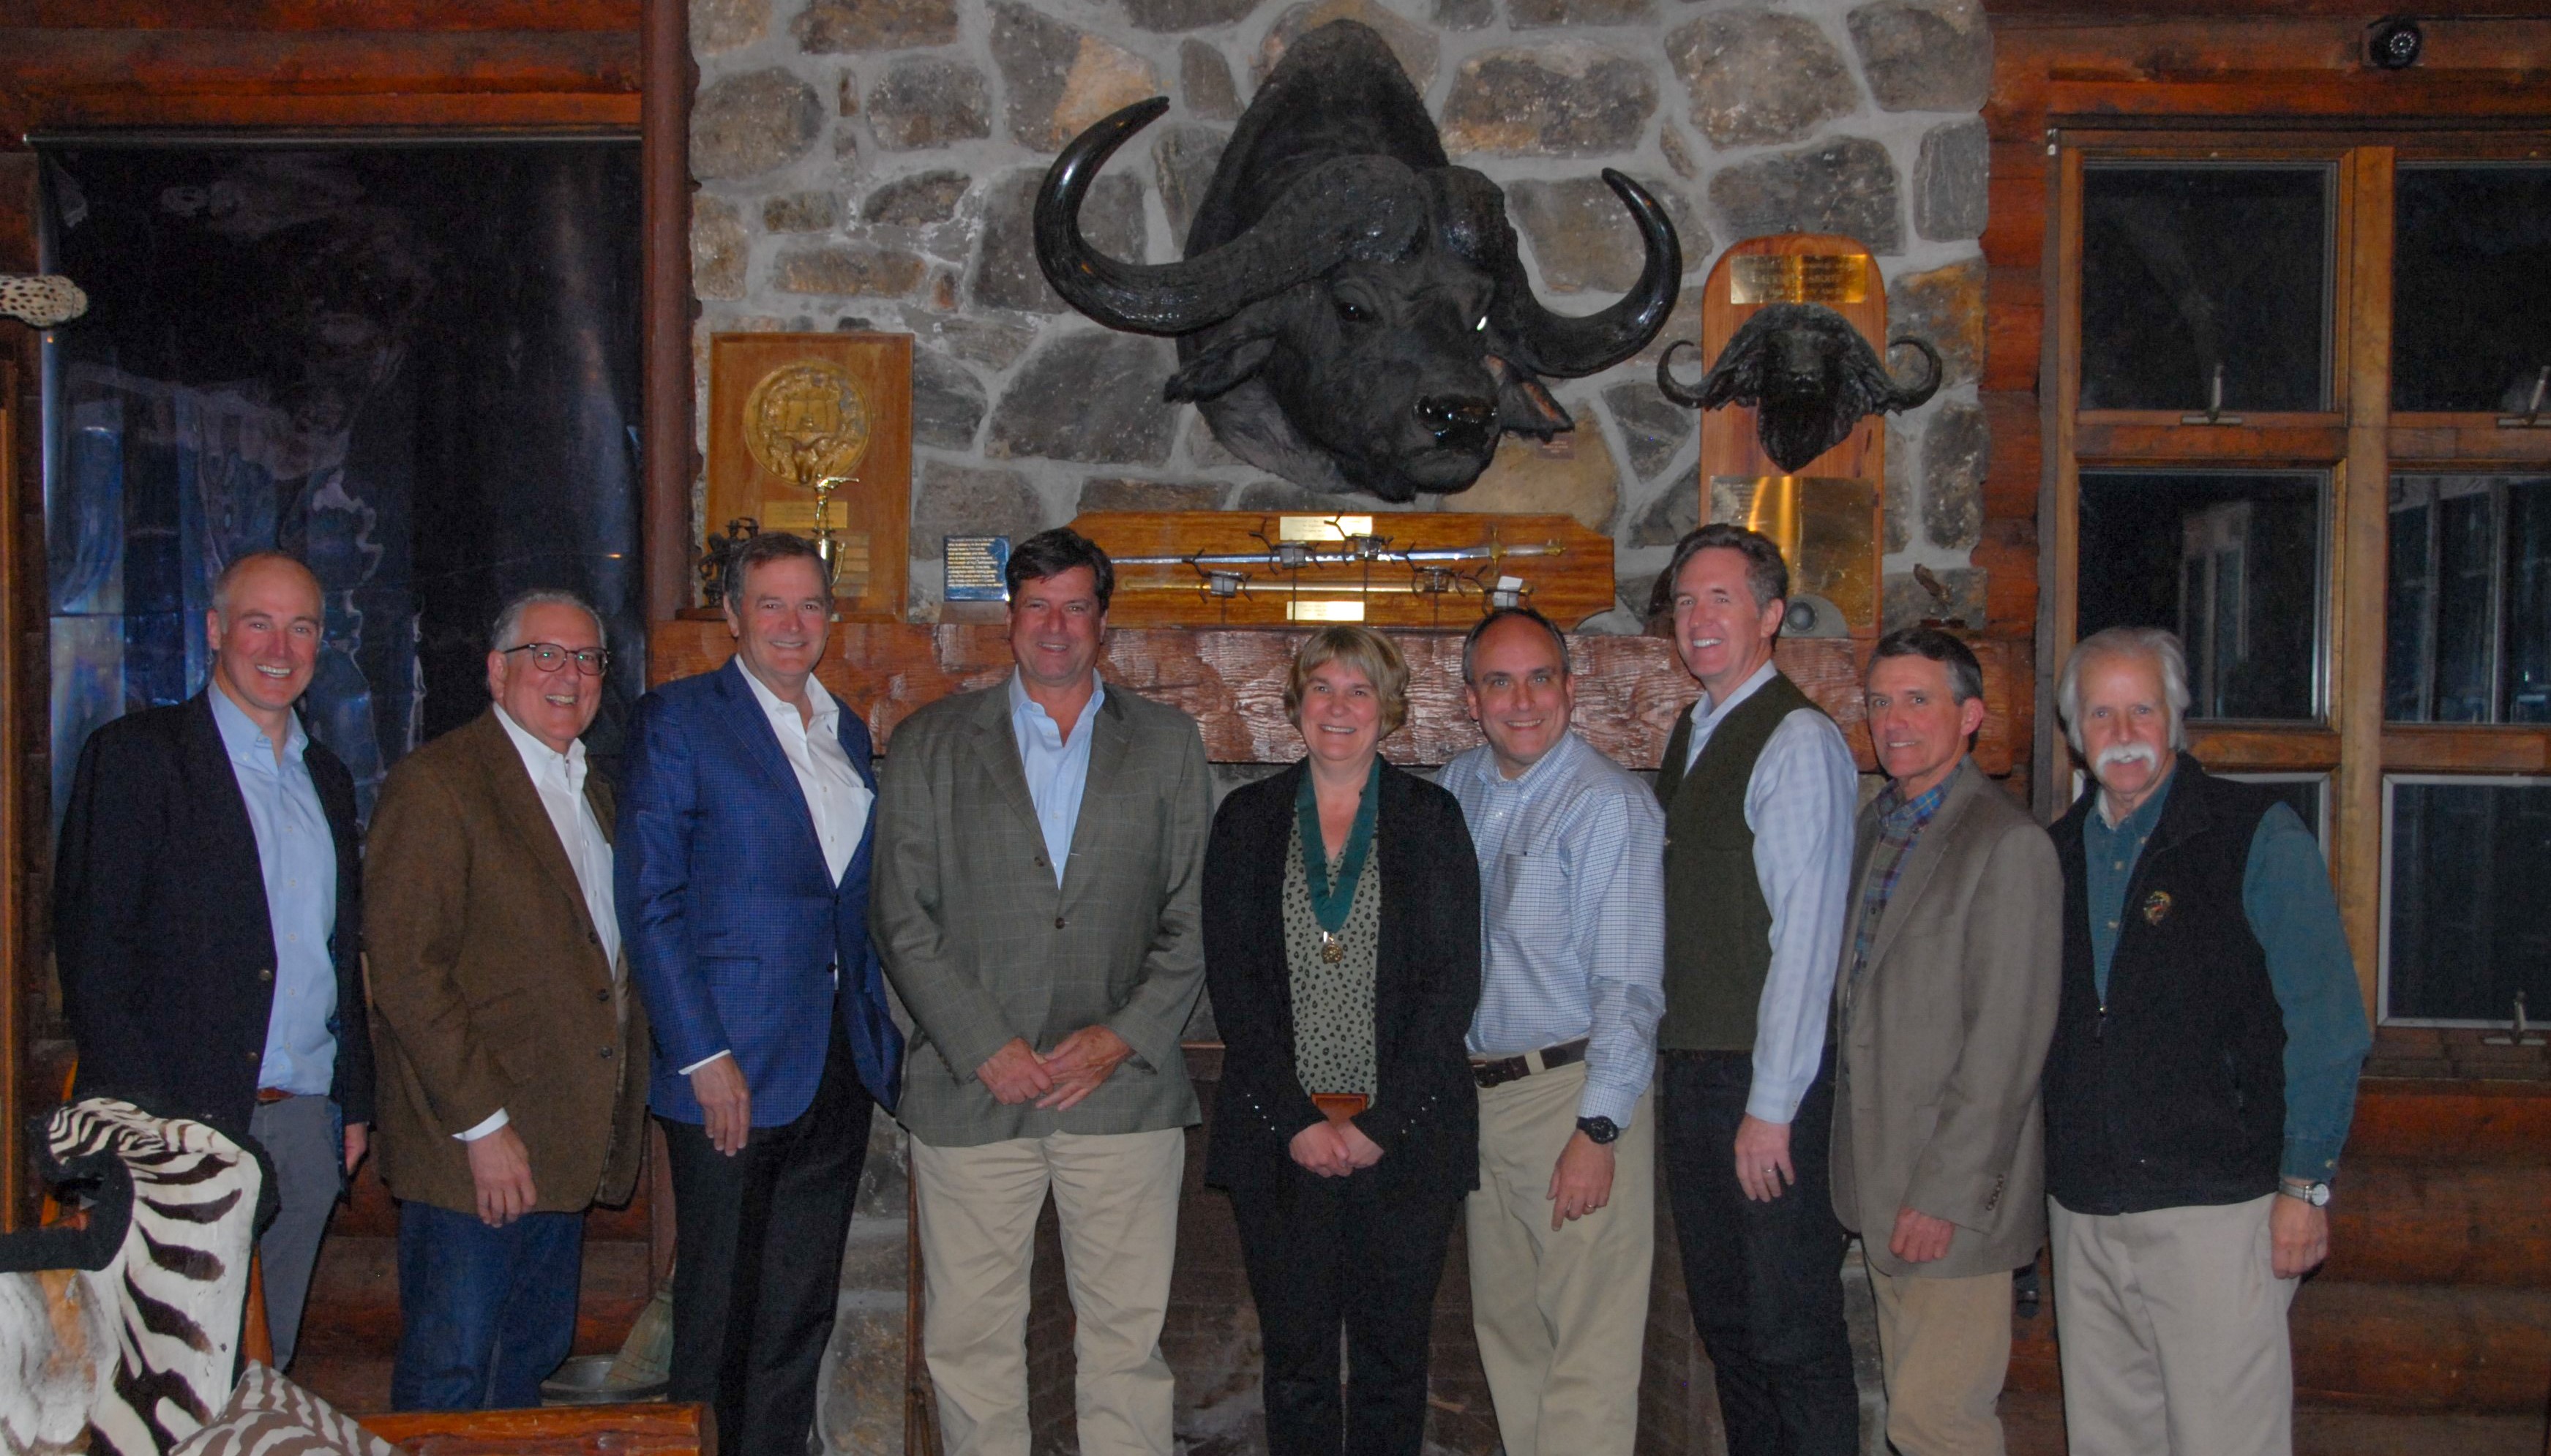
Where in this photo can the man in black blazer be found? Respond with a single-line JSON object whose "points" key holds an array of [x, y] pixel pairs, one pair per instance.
{"points": [[206, 918]]}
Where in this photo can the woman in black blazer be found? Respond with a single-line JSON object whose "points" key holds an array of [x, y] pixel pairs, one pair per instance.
{"points": [[1346, 1129]]}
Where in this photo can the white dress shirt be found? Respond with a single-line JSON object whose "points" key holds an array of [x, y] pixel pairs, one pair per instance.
{"points": [[1801, 802], [836, 799], [560, 778]]}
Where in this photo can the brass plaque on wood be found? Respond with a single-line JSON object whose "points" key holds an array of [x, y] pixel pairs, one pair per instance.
{"points": [[812, 433], [1810, 277], [1827, 530]]}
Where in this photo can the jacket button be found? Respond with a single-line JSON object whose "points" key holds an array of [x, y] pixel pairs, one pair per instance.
{"points": [[265, 973], [592, 938], [1057, 922], [257, 1056], [602, 994], [606, 1053]]}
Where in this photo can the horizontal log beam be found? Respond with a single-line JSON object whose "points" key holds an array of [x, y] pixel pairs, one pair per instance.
{"points": [[2415, 1221], [480, 113], [635, 1430], [324, 15], [1629, 689], [62, 63]]}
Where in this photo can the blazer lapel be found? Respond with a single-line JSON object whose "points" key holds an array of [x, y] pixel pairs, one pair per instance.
{"points": [[235, 848], [1109, 739], [750, 727], [1925, 858], [998, 749], [518, 800]]}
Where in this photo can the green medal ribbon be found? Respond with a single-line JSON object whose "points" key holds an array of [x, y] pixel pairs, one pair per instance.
{"points": [[1331, 902]]}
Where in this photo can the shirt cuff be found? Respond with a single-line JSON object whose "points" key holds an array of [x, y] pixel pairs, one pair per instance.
{"points": [[704, 1061], [1615, 1103], [495, 1119], [2309, 1160]]}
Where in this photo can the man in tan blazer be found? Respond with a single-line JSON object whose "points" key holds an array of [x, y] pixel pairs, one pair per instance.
{"points": [[1040, 847], [1944, 1006], [508, 1101]]}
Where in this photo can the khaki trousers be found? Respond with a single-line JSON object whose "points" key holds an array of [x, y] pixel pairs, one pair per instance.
{"points": [[2173, 1330], [1560, 1316], [1945, 1346], [1117, 1197]]}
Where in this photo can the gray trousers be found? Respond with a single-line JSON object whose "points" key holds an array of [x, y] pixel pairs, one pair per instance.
{"points": [[302, 1142]]}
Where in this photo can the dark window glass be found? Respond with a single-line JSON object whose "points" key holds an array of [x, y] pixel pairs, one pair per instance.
{"points": [[2298, 791], [2471, 288], [2469, 621], [2230, 561], [2464, 931], [2188, 270]]}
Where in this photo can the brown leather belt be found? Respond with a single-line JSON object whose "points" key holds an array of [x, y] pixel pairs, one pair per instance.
{"points": [[267, 1096], [1498, 1071]]}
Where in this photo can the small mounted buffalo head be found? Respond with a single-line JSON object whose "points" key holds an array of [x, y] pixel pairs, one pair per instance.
{"points": [[1807, 373], [1352, 312]]}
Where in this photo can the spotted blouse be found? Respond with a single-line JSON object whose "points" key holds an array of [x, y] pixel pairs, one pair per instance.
{"points": [[1332, 1003]]}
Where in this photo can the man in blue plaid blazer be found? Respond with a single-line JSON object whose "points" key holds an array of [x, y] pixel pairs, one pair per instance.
{"points": [[742, 880]]}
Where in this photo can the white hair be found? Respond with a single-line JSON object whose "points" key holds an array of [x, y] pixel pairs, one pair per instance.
{"points": [[508, 630], [2151, 643]]}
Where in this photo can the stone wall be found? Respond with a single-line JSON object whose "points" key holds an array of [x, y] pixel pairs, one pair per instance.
{"points": [[868, 165]]}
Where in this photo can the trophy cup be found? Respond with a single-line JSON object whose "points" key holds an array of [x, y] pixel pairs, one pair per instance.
{"points": [[806, 423]]}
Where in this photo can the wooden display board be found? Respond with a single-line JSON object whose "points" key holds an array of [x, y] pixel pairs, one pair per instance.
{"points": [[1829, 517], [1356, 571], [785, 408]]}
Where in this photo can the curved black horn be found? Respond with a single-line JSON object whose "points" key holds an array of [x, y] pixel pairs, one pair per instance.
{"points": [[1356, 206], [1553, 343], [1911, 397], [1668, 386]]}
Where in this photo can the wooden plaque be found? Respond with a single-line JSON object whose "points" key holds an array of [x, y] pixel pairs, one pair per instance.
{"points": [[1565, 569], [1829, 516], [787, 407]]}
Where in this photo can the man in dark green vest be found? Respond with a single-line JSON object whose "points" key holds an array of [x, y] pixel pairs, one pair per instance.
{"points": [[1760, 794]]}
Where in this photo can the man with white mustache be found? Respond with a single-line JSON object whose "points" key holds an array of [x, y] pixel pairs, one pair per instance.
{"points": [[1944, 1006], [1759, 792], [2202, 1076]]}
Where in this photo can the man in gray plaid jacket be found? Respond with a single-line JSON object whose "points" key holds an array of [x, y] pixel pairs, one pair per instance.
{"points": [[1040, 847]]}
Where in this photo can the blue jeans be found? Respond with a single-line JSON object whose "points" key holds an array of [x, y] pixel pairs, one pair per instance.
{"points": [[484, 1313]]}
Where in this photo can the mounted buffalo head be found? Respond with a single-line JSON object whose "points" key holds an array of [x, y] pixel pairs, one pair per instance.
{"points": [[1351, 314], [1809, 372]]}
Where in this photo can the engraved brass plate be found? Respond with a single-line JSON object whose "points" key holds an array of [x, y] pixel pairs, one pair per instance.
{"points": [[1322, 527], [1814, 277], [1827, 530], [1314, 610]]}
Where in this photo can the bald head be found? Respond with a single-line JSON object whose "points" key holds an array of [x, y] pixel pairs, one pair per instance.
{"points": [[265, 627]]}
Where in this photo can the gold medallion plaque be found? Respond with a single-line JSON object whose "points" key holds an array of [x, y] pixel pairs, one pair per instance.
{"points": [[812, 433]]}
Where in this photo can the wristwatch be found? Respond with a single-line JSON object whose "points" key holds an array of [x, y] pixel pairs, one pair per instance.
{"points": [[1598, 1131], [2314, 1193]]}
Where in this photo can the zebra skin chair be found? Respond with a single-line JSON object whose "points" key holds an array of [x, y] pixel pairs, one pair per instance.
{"points": [[128, 1325]]}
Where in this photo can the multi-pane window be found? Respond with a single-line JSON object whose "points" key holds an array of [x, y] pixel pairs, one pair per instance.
{"points": [[2302, 417]]}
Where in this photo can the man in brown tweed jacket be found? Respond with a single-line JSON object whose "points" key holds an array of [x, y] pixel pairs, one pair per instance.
{"points": [[506, 1035]]}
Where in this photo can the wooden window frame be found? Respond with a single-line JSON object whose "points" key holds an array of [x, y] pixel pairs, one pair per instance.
{"points": [[2359, 442]]}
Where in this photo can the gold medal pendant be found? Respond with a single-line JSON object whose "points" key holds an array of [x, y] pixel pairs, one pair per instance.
{"points": [[1331, 949]]}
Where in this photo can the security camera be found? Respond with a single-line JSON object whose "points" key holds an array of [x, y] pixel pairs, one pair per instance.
{"points": [[2391, 44]]}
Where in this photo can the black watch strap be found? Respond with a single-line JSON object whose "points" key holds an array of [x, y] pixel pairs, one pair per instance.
{"points": [[1599, 1131]]}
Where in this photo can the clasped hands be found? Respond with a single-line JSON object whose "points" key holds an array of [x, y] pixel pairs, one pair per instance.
{"points": [[1334, 1149], [1057, 1080]]}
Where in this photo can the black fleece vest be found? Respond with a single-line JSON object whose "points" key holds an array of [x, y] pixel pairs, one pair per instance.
{"points": [[1718, 927], [2174, 1093]]}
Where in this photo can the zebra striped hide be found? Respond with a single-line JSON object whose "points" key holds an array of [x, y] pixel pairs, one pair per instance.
{"points": [[134, 1323]]}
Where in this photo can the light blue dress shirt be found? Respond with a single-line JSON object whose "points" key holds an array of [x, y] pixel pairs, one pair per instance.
{"points": [[1572, 915], [1057, 768], [297, 856], [1801, 804]]}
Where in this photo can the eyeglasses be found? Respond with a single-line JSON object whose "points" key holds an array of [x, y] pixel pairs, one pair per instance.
{"points": [[549, 656]]}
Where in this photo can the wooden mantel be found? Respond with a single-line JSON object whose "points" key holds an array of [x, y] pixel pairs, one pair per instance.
{"points": [[1232, 680]]}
